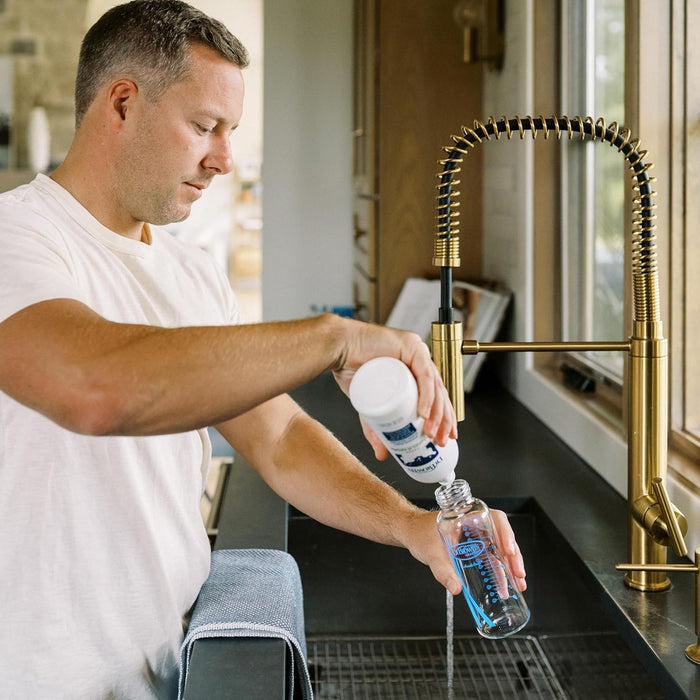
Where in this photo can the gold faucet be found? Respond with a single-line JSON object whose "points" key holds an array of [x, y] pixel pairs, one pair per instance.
{"points": [[653, 522]]}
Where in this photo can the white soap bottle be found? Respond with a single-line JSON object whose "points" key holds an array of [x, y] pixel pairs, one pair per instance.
{"points": [[384, 392]]}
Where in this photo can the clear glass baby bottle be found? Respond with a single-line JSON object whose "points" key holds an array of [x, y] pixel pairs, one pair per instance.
{"points": [[466, 527]]}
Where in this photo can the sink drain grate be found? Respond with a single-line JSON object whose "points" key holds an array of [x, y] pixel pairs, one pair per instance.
{"points": [[598, 665], [414, 668]]}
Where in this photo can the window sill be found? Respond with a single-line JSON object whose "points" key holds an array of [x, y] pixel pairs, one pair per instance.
{"points": [[596, 435]]}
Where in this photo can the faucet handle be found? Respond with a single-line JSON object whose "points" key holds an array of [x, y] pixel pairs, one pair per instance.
{"points": [[669, 515]]}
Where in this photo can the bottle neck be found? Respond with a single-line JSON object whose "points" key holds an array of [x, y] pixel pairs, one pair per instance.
{"points": [[454, 496]]}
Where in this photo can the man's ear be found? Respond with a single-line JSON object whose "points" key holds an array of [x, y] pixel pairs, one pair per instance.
{"points": [[122, 95]]}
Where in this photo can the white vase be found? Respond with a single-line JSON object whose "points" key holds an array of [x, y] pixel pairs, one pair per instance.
{"points": [[38, 140]]}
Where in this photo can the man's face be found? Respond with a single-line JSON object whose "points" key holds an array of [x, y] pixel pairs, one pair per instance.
{"points": [[177, 144]]}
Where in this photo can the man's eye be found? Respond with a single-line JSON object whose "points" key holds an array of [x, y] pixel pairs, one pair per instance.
{"points": [[204, 129]]}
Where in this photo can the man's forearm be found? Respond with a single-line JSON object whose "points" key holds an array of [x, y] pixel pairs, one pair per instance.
{"points": [[94, 376], [306, 465]]}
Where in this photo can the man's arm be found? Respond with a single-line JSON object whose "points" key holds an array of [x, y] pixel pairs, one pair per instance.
{"points": [[307, 466], [94, 376]]}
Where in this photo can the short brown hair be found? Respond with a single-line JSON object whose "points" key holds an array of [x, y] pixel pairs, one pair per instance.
{"points": [[148, 40]]}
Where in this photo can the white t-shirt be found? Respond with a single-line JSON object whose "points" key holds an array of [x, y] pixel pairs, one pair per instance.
{"points": [[102, 546]]}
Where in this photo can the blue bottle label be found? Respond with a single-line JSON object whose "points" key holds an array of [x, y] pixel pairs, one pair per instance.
{"points": [[471, 549], [467, 553], [407, 432], [411, 448]]}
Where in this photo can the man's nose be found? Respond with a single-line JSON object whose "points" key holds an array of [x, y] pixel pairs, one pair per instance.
{"points": [[220, 158]]}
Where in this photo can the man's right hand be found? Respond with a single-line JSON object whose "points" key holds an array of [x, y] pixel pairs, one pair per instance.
{"points": [[364, 341]]}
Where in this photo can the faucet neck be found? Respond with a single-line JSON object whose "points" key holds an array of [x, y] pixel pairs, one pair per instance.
{"points": [[644, 269]]}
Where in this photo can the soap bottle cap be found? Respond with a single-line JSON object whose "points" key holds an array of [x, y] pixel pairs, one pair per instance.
{"points": [[382, 385]]}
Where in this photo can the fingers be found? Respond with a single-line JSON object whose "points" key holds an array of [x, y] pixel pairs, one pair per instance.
{"points": [[509, 548], [366, 341], [441, 424], [434, 404], [517, 566]]}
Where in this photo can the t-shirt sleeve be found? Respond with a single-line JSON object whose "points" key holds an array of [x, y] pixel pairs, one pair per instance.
{"points": [[34, 265]]}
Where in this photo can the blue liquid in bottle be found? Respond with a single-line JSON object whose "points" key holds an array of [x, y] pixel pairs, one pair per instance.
{"points": [[465, 525]]}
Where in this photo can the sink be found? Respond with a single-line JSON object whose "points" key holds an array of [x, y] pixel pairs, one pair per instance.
{"points": [[376, 622], [367, 604]]}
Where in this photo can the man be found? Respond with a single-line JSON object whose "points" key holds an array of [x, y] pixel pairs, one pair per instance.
{"points": [[119, 345]]}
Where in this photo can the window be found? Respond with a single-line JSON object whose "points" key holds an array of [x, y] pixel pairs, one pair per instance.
{"points": [[685, 251], [594, 179], [663, 104], [571, 290]]}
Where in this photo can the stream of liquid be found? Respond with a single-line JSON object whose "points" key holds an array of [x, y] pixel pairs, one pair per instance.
{"points": [[449, 634]]}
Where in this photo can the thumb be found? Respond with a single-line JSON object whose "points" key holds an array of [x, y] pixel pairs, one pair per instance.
{"points": [[380, 450], [445, 574]]}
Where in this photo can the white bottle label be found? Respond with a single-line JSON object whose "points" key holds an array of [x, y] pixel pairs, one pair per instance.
{"points": [[385, 394]]}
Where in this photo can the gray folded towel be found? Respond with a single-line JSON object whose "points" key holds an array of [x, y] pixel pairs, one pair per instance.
{"points": [[252, 593]]}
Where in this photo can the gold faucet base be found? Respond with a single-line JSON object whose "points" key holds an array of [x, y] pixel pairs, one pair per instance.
{"points": [[632, 581], [692, 652]]}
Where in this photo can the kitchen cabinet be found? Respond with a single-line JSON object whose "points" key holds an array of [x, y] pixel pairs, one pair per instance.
{"points": [[412, 90]]}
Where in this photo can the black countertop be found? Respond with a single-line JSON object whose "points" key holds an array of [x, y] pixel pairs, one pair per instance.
{"points": [[506, 452]]}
